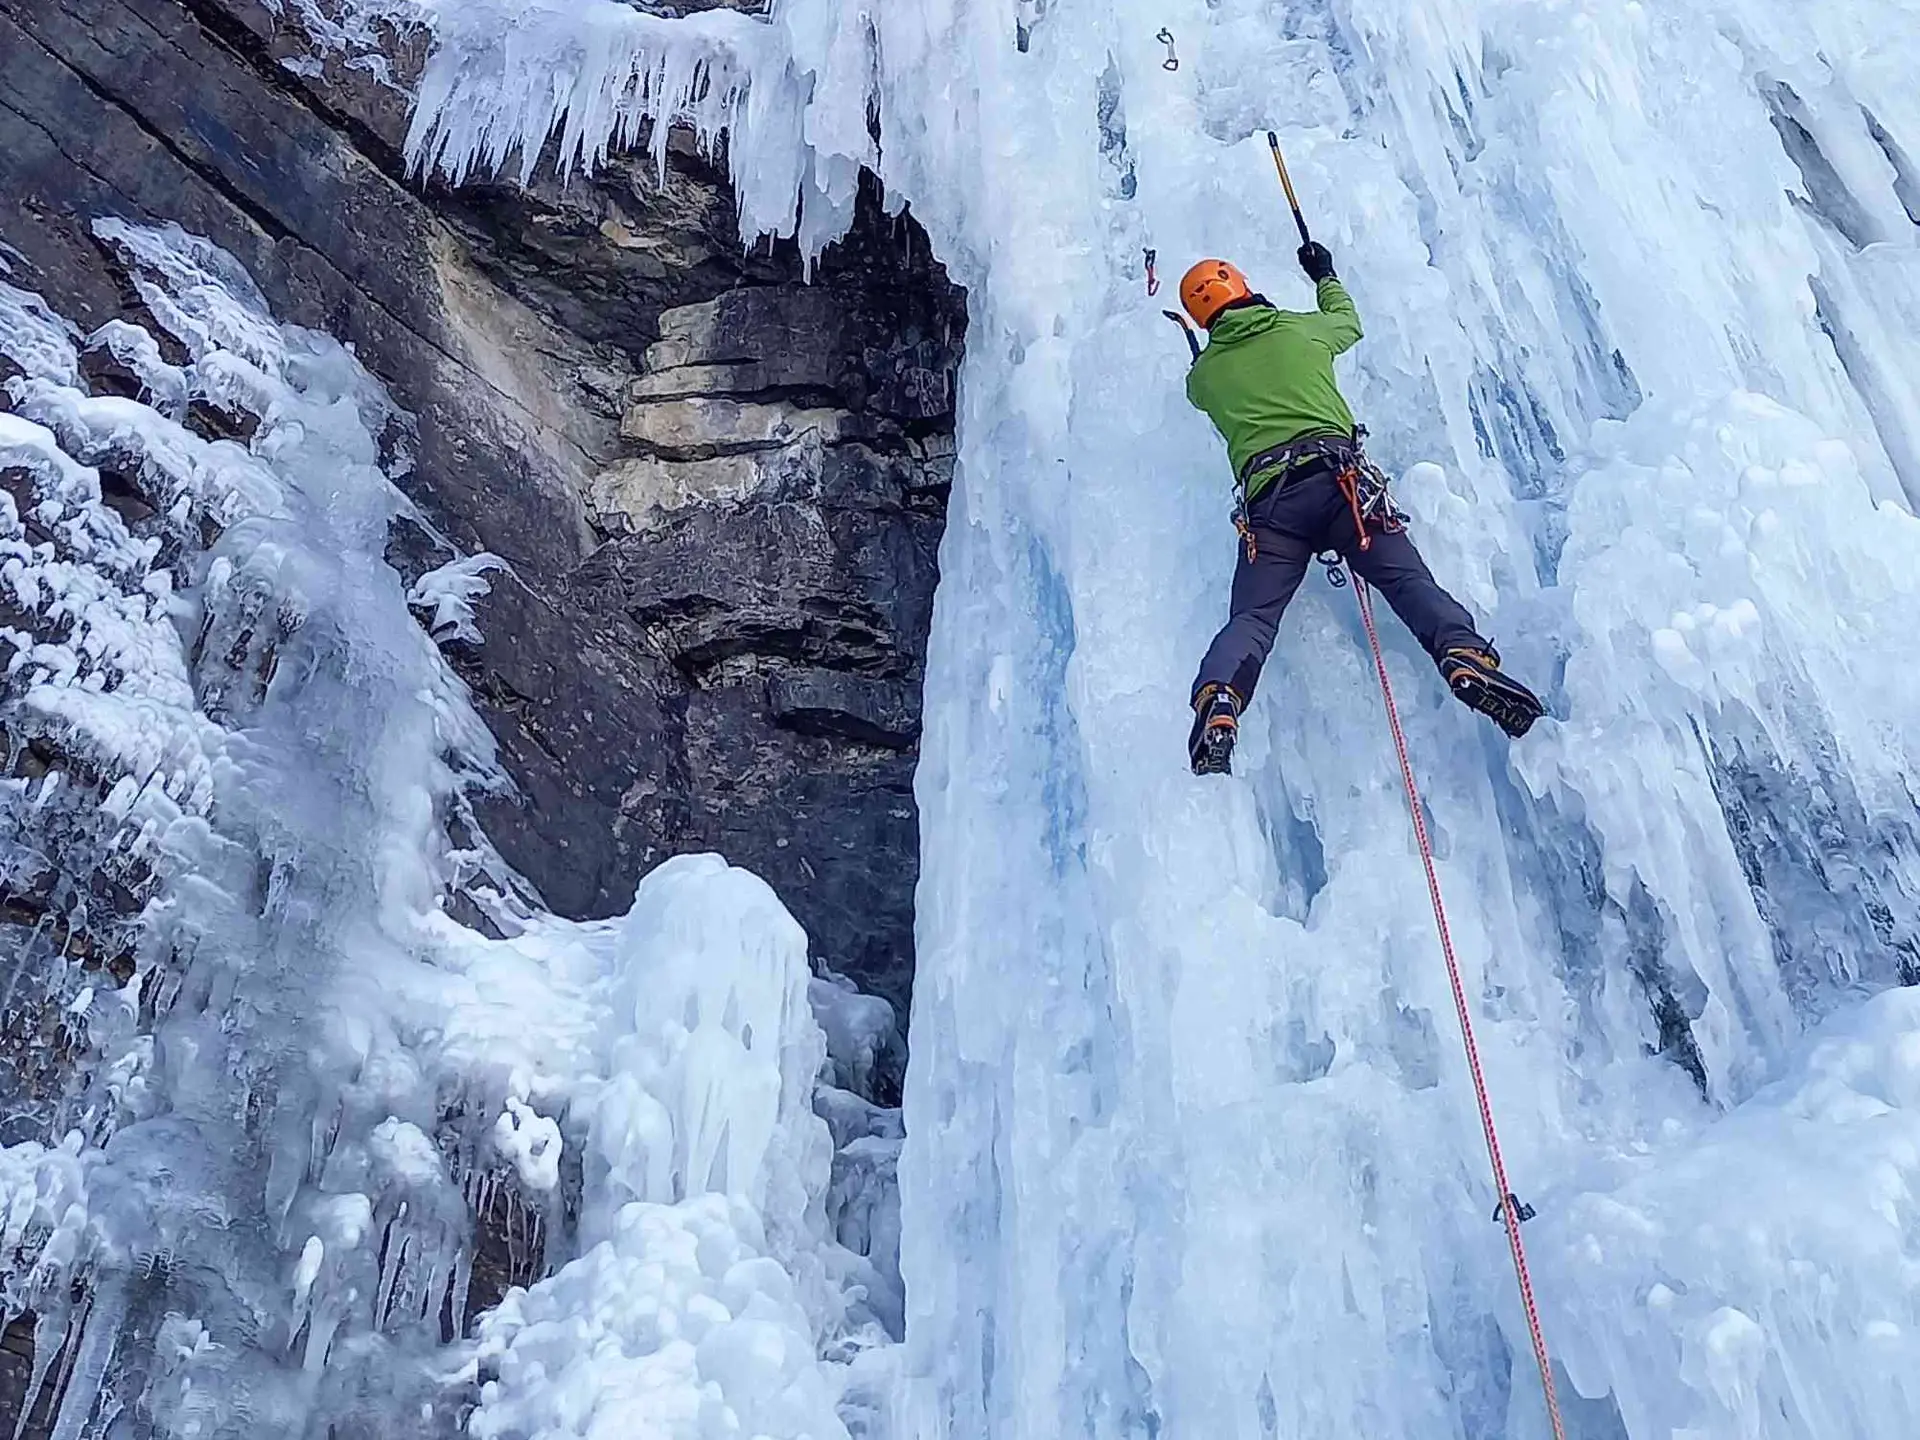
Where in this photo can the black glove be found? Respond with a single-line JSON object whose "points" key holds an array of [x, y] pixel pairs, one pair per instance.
{"points": [[1317, 261]]}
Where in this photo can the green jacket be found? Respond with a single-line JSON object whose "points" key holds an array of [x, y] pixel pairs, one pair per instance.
{"points": [[1266, 376]]}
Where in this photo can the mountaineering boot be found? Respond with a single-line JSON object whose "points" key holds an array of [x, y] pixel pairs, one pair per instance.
{"points": [[1475, 677], [1216, 725]]}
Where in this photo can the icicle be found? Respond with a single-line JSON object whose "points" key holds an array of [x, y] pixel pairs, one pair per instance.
{"points": [[97, 1334], [459, 1291], [393, 1263], [53, 1330]]}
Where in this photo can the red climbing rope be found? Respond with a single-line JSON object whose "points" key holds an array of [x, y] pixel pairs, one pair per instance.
{"points": [[1510, 1209]]}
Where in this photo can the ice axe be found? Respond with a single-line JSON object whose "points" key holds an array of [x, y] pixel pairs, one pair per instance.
{"points": [[1286, 184], [1153, 288], [1193, 340]]}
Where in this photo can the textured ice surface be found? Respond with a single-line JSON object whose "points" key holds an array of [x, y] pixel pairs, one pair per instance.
{"points": [[1191, 1150], [1186, 1050], [330, 1030], [450, 591], [677, 1319], [1190, 1147]]}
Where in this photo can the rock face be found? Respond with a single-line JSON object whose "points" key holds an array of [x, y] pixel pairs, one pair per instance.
{"points": [[719, 489], [775, 539]]}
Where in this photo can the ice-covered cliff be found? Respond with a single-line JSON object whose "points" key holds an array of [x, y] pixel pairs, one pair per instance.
{"points": [[296, 1020], [1190, 1148], [1190, 1145]]}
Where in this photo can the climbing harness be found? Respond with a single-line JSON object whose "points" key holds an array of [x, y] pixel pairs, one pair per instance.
{"points": [[1165, 37], [1363, 484], [1511, 1212], [1335, 449]]}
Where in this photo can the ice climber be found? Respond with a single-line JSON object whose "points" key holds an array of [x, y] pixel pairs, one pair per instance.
{"points": [[1266, 381]]}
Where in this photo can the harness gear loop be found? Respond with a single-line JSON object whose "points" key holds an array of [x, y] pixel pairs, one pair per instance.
{"points": [[1370, 497], [1511, 1212], [1245, 528], [1349, 482]]}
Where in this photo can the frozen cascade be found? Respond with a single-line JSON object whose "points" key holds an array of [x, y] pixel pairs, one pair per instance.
{"points": [[299, 1018], [1190, 1148]]}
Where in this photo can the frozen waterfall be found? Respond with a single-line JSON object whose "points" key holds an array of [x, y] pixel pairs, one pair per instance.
{"points": [[1190, 1145]]}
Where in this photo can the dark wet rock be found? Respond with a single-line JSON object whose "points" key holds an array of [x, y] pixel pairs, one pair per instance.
{"points": [[885, 713], [713, 629]]}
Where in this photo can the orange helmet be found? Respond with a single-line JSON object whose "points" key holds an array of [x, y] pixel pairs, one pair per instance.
{"points": [[1211, 286]]}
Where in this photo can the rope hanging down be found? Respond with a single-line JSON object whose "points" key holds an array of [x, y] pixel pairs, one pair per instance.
{"points": [[1510, 1212]]}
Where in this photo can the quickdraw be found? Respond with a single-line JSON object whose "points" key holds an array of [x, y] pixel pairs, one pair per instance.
{"points": [[1153, 278], [1370, 498], [1244, 526]]}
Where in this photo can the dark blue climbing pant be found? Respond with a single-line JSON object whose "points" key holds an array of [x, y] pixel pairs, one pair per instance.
{"points": [[1293, 520]]}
